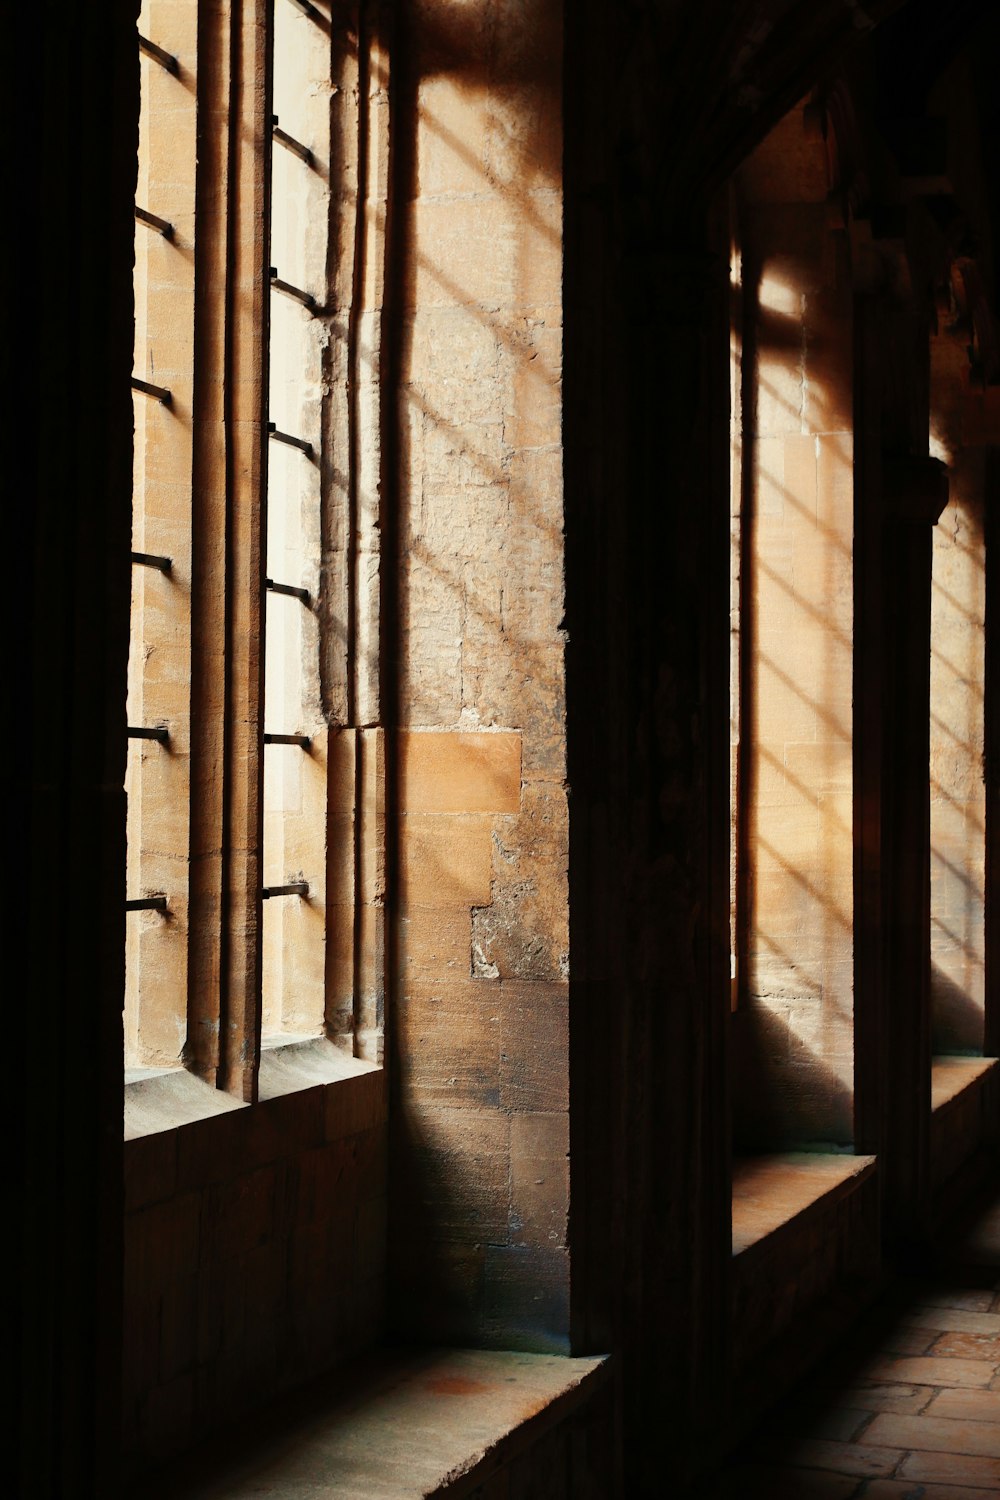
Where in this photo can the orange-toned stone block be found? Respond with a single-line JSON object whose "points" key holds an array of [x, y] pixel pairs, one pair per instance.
{"points": [[898, 1398], [459, 1174], [835, 489], [534, 1038], [967, 1406], [446, 858], [449, 1037], [341, 757], [459, 773], [450, 140], [536, 418], [936, 1434], [952, 1345], [539, 1174], [969, 1373], [952, 1468], [435, 943]]}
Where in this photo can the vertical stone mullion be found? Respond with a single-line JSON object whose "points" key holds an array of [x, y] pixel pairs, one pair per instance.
{"points": [[246, 365], [208, 572], [227, 574]]}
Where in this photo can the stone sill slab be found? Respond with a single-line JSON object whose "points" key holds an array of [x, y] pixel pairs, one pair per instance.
{"points": [[440, 1422], [159, 1099], [771, 1192], [951, 1076]]}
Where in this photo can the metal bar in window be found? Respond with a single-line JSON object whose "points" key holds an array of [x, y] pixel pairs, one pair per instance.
{"points": [[302, 740], [289, 589], [312, 13], [141, 732], [147, 903], [293, 442], [165, 59], [297, 888], [151, 560], [306, 298], [158, 392], [290, 143], [145, 217]]}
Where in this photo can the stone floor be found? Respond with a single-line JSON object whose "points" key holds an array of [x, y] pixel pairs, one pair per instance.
{"points": [[911, 1409]]}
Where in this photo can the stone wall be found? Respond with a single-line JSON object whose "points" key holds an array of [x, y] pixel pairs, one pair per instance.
{"points": [[254, 1257], [794, 1026], [481, 1023], [958, 792]]}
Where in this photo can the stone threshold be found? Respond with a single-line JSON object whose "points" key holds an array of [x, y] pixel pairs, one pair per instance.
{"points": [[952, 1076], [772, 1192], [411, 1425]]}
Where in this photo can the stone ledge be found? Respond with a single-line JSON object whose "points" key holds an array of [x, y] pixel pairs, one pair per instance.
{"points": [[413, 1425], [158, 1099], [161, 1099], [288, 1064], [951, 1076], [772, 1192]]}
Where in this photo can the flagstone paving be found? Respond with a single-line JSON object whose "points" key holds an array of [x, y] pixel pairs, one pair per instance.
{"points": [[911, 1410]]}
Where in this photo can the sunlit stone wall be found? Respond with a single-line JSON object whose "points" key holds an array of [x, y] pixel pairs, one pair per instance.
{"points": [[482, 1010], [795, 1035], [958, 792]]}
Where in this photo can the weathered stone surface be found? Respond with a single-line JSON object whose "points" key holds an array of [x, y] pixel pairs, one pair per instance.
{"points": [[522, 933]]}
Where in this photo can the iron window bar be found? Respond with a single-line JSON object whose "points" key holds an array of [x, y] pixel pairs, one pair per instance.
{"points": [[289, 589], [312, 13], [306, 298], [158, 392], [293, 442], [147, 903], [154, 222], [297, 888], [151, 560], [158, 54], [148, 732], [302, 740], [290, 143]]}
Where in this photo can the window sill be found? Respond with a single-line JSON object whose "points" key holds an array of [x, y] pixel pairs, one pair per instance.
{"points": [[952, 1076], [443, 1422], [289, 1064], [772, 1192], [159, 1099]]}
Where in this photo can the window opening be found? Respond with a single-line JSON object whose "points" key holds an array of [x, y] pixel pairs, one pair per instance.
{"points": [[246, 546], [158, 704], [296, 731]]}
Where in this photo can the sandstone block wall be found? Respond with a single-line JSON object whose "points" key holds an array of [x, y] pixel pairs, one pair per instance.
{"points": [[481, 1020], [958, 791], [254, 1257], [794, 1031]]}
